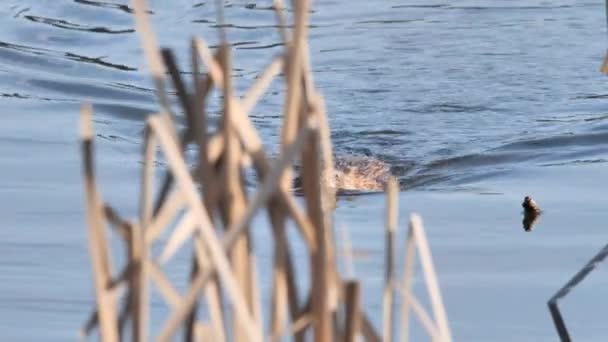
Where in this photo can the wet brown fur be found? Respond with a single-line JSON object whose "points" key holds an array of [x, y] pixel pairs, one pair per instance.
{"points": [[356, 174]]}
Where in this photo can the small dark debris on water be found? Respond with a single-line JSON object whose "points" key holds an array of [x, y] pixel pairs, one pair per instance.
{"points": [[531, 213]]}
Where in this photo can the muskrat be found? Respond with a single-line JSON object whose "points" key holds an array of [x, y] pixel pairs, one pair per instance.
{"points": [[530, 205], [355, 174], [531, 213]]}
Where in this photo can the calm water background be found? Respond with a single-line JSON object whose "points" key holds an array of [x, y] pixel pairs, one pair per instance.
{"points": [[474, 103]]}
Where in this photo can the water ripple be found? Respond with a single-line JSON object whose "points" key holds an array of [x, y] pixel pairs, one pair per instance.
{"points": [[59, 23]]}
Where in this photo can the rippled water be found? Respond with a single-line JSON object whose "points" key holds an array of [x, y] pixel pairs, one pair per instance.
{"points": [[447, 92], [450, 93]]}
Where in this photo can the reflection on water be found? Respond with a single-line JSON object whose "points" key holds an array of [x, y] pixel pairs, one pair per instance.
{"points": [[530, 218]]}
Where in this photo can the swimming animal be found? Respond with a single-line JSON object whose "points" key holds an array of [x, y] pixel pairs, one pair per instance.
{"points": [[531, 213], [355, 174], [530, 205]]}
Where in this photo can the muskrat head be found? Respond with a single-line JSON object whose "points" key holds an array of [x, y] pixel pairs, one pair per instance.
{"points": [[530, 205]]}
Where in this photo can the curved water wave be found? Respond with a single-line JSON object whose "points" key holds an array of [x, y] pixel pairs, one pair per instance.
{"points": [[64, 24], [7, 49], [407, 98], [121, 7], [574, 149]]}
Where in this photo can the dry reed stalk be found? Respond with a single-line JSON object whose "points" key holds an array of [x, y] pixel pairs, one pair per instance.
{"points": [[221, 159], [129, 272], [183, 231], [209, 151], [163, 284], [97, 240], [234, 202], [297, 51], [279, 294], [255, 290], [284, 286], [430, 277], [201, 260], [178, 84], [293, 74], [186, 136], [285, 290], [410, 255], [116, 286], [253, 146], [352, 307], [189, 134], [423, 316], [389, 248], [270, 185], [279, 7], [162, 219], [152, 53], [122, 227], [324, 276], [316, 104], [300, 323], [440, 328], [321, 270], [261, 84], [199, 120], [322, 152], [214, 302], [218, 258], [367, 329], [138, 287]]}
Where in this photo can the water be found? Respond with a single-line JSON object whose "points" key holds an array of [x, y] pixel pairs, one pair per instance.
{"points": [[464, 99]]}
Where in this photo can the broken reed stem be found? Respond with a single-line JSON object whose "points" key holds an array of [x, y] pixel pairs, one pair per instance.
{"points": [[432, 283], [293, 97], [151, 52], [408, 272], [138, 288], [97, 239], [321, 270], [389, 248], [279, 7], [279, 295], [209, 151], [352, 308], [234, 201]]}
